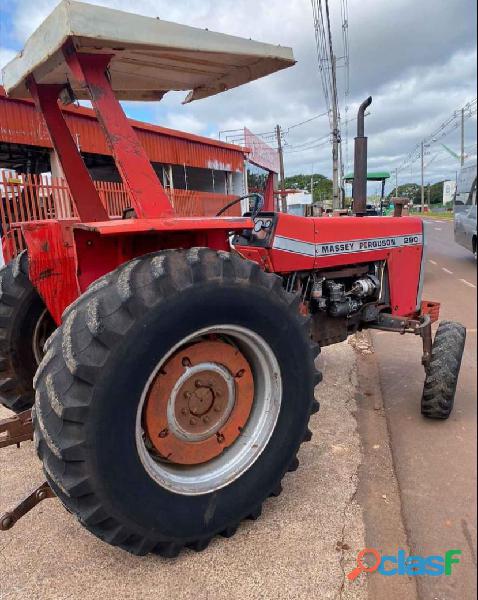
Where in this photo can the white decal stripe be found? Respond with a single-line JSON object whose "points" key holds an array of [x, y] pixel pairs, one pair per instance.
{"points": [[346, 247], [295, 246]]}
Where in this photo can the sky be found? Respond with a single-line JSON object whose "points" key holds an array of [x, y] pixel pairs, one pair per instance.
{"points": [[417, 59]]}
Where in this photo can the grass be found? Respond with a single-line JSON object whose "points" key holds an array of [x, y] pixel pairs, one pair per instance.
{"points": [[444, 216]]}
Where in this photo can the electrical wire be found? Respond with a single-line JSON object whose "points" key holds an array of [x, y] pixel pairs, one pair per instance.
{"points": [[328, 135], [451, 124], [314, 147], [328, 64], [346, 58], [268, 135]]}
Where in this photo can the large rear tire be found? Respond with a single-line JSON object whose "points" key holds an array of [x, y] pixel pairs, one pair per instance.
{"points": [[442, 374], [25, 325], [174, 398]]}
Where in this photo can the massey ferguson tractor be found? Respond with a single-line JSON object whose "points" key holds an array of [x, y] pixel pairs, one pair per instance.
{"points": [[168, 362]]}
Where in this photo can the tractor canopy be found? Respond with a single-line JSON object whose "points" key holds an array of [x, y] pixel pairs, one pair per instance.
{"points": [[149, 56]]}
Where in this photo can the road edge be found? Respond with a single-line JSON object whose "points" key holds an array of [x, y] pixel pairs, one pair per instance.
{"points": [[378, 491]]}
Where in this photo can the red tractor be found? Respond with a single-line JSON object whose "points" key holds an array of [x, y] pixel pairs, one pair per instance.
{"points": [[177, 379]]}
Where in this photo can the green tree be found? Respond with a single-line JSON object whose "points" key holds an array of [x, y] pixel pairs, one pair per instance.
{"points": [[414, 192], [322, 185]]}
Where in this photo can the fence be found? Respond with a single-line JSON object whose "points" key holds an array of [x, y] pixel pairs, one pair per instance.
{"points": [[38, 197]]}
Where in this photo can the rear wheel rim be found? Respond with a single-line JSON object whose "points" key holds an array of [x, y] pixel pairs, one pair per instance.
{"points": [[43, 329], [250, 404]]}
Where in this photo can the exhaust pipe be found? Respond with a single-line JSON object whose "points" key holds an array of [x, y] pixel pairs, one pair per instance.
{"points": [[359, 188]]}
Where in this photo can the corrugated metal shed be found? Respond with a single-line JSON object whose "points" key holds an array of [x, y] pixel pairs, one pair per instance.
{"points": [[20, 123]]}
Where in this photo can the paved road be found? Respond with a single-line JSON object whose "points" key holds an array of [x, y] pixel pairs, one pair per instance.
{"points": [[435, 462]]}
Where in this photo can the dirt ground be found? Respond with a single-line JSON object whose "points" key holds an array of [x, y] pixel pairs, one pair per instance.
{"points": [[301, 547]]}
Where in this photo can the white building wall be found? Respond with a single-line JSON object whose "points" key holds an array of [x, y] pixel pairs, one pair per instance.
{"points": [[449, 188]]}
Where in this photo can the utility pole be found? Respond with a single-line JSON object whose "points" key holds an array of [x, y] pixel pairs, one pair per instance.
{"points": [[396, 183], [336, 201], [283, 196], [462, 161], [423, 178], [429, 192], [341, 176]]}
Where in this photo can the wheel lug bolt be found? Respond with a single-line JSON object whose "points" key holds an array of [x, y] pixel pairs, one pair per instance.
{"points": [[205, 419], [198, 383], [184, 411], [217, 408], [163, 433], [240, 373], [220, 438], [192, 421], [186, 362], [187, 395]]}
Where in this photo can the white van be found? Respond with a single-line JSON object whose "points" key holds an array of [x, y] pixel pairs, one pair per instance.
{"points": [[465, 208]]}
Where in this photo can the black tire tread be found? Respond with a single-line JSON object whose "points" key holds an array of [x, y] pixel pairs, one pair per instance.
{"points": [[92, 326], [15, 289], [442, 374]]}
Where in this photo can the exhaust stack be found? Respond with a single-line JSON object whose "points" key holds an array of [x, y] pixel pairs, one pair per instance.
{"points": [[359, 191]]}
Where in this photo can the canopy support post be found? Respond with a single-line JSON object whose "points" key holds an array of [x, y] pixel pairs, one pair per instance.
{"points": [[145, 190], [85, 195]]}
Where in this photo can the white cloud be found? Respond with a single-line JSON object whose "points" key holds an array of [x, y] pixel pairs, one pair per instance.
{"points": [[184, 122]]}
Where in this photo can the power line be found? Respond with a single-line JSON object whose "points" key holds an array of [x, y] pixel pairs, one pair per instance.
{"points": [[452, 123], [311, 141], [333, 62], [328, 135], [314, 147], [269, 134], [346, 57], [322, 54], [442, 159], [327, 63], [324, 114]]}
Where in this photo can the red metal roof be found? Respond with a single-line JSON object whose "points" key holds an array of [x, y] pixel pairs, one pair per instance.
{"points": [[20, 123]]}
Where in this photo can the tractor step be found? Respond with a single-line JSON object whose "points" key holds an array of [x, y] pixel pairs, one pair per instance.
{"points": [[9, 518], [14, 430]]}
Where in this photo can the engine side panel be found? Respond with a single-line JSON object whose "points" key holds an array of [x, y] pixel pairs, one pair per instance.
{"points": [[301, 243]]}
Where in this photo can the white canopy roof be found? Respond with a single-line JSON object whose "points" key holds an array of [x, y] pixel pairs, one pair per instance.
{"points": [[151, 56]]}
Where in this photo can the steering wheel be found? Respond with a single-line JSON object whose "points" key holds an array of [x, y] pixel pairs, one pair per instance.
{"points": [[256, 209]]}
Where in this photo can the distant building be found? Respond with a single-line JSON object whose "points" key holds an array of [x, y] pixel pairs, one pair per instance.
{"points": [[297, 200], [449, 189]]}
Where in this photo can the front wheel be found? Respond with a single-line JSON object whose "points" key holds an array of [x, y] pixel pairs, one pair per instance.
{"points": [[442, 373], [174, 398]]}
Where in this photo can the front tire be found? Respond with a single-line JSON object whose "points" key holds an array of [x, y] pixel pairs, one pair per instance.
{"points": [[128, 379], [442, 373]]}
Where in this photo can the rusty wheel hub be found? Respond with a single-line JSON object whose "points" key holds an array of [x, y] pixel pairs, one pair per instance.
{"points": [[198, 403]]}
